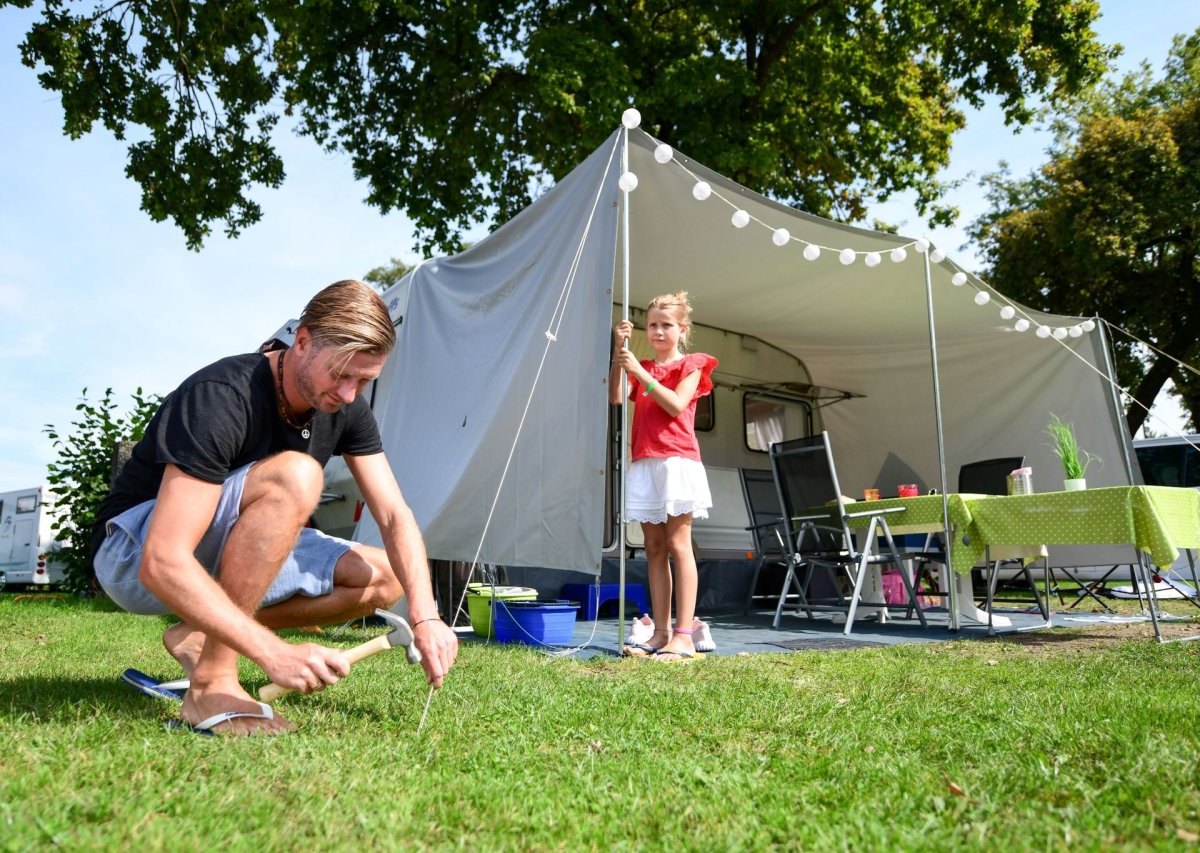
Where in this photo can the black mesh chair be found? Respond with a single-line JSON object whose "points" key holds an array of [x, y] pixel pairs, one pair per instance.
{"points": [[990, 477], [766, 524], [820, 538]]}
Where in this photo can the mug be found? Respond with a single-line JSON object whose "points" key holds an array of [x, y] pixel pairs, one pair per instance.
{"points": [[907, 490], [870, 494]]}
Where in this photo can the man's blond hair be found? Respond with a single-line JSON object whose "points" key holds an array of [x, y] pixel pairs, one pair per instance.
{"points": [[349, 316]]}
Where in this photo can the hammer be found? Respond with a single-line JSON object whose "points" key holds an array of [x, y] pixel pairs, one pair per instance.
{"points": [[400, 635]]}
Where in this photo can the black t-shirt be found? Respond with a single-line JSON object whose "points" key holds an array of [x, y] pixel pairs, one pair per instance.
{"points": [[222, 417]]}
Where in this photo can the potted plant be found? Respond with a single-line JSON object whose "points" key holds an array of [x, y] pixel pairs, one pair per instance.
{"points": [[1075, 461]]}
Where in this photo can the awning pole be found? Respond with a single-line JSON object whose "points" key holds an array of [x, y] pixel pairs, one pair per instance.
{"points": [[621, 379], [951, 581]]}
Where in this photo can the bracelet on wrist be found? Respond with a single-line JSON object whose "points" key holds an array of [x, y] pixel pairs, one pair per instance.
{"points": [[423, 621], [649, 388]]}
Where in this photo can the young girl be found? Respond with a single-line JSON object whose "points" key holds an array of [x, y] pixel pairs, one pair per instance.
{"points": [[665, 486]]}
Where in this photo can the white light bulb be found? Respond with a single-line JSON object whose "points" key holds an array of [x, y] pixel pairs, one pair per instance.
{"points": [[1007, 312], [628, 182], [812, 252], [846, 256], [937, 256], [872, 259], [701, 191], [663, 153], [1060, 334], [958, 279], [631, 118], [898, 255], [982, 297], [1089, 325], [740, 219], [781, 237], [1075, 331], [921, 245], [1043, 331], [1021, 325]]}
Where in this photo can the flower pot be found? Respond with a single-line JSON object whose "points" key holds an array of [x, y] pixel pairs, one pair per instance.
{"points": [[1077, 485]]}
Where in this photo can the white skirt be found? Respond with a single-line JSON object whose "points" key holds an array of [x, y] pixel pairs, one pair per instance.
{"points": [[657, 488]]}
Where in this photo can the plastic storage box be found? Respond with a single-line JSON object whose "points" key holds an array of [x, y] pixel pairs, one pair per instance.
{"points": [[535, 623], [479, 603]]}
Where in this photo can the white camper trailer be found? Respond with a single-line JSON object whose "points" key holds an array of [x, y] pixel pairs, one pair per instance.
{"points": [[26, 547]]}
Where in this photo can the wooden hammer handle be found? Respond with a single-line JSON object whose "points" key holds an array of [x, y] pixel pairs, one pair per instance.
{"points": [[273, 691]]}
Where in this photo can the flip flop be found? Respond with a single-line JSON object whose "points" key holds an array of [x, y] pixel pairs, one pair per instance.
{"points": [[680, 657], [638, 650], [170, 690], [205, 727]]}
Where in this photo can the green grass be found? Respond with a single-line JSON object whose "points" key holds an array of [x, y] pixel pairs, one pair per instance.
{"points": [[939, 746]]}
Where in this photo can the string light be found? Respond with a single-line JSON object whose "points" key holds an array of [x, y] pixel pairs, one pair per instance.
{"points": [[740, 218]]}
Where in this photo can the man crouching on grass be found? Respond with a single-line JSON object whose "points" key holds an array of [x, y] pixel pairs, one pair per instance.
{"points": [[207, 518]]}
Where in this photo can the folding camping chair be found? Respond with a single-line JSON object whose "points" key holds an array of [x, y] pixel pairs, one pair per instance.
{"points": [[766, 524], [812, 501], [990, 477]]}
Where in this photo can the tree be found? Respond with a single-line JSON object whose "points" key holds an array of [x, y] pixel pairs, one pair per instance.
{"points": [[81, 477], [457, 113], [1109, 225], [385, 276]]}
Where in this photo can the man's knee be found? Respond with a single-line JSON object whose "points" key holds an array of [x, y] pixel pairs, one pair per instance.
{"points": [[370, 569], [291, 478]]}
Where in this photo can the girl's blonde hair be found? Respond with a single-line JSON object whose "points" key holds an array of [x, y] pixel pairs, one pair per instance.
{"points": [[683, 313]]}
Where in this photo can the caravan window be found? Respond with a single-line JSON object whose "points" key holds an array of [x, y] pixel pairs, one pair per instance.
{"points": [[706, 416], [771, 419], [26, 503]]}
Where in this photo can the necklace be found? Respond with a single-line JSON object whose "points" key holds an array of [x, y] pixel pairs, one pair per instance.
{"points": [[285, 411]]}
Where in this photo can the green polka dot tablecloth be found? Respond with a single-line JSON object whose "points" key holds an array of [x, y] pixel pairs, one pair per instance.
{"points": [[1158, 520], [923, 514]]}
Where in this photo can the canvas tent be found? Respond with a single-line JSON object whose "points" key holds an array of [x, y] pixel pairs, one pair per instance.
{"points": [[494, 404]]}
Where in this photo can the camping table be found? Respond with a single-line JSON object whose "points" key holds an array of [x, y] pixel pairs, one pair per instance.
{"points": [[923, 514], [1156, 520]]}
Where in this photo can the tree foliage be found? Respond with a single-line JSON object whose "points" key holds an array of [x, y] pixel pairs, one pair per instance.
{"points": [[1109, 225], [456, 113], [81, 477]]}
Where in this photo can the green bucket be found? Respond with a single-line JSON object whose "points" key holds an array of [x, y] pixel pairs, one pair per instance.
{"points": [[479, 603]]}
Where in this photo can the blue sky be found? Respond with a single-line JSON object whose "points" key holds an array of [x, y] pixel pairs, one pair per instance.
{"points": [[93, 294]]}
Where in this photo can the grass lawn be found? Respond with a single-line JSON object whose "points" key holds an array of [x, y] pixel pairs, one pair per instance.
{"points": [[1074, 738]]}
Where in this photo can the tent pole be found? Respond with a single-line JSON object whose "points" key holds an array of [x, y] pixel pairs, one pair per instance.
{"points": [[1144, 573], [624, 397], [951, 582]]}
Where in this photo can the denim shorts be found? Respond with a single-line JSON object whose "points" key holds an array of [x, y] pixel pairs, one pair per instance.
{"points": [[308, 569]]}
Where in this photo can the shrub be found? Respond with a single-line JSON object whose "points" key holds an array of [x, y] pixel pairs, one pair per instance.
{"points": [[80, 479]]}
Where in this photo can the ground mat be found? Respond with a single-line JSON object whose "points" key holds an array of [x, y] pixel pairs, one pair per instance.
{"points": [[824, 644]]}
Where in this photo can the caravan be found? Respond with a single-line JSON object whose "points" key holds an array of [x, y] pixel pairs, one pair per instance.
{"points": [[26, 547]]}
